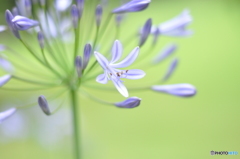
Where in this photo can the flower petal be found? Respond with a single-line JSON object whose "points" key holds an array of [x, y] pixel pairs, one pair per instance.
{"points": [[166, 52], [131, 102], [134, 74], [6, 114], [2, 28], [102, 78], [171, 69], [120, 87], [116, 51], [4, 79], [101, 60], [128, 60]]}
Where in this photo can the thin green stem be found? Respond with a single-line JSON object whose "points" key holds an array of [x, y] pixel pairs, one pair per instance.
{"points": [[33, 82], [76, 128]]}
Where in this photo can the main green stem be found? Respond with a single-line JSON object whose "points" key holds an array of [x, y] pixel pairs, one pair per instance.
{"points": [[76, 130]]}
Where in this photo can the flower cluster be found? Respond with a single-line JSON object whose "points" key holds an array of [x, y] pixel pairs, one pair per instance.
{"points": [[70, 55]]}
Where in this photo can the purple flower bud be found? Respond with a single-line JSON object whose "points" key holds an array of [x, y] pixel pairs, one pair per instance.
{"points": [[9, 17], [166, 52], [28, 6], [132, 6], [80, 6], [23, 23], [41, 39], [75, 16], [181, 90], [42, 102], [145, 31], [79, 65], [15, 11], [4, 79], [118, 19], [171, 69], [98, 14], [6, 114], [87, 54], [131, 102]]}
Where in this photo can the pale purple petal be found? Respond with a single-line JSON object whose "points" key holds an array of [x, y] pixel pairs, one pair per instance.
{"points": [[171, 69], [101, 60], [180, 33], [4, 79], [128, 60], [116, 51], [2, 28], [166, 52], [134, 74], [131, 102], [9, 17], [181, 90], [132, 6], [120, 87], [62, 5], [102, 78], [6, 114], [6, 65], [145, 31]]}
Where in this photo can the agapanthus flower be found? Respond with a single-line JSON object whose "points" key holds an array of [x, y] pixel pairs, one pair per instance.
{"points": [[71, 50]]}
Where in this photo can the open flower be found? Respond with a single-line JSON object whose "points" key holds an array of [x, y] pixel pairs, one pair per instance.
{"points": [[111, 69]]}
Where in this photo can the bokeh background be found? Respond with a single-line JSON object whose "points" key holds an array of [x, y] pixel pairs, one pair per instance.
{"points": [[163, 126]]}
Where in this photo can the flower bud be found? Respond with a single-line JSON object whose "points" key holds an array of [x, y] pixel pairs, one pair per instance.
{"points": [[132, 6], [9, 17], [98, 14], [79, 65], [6, 114], [75, 16], [181, 90], [145, 31], [23, 23], [86, 55], [42, 102], [171, 69], [131, 102], [4, 79], [15, 11], [166, 52], [80, 6], [41, 39]]}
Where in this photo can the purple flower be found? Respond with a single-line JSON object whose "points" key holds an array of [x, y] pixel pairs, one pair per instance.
{"points": [[131, 102], [75, 15], [86, 55], [23, 23], [6, 114], [176, 26], [132, 6], [4, 79], [9, 17], [181, 90], [111, 71], [98, 14]]}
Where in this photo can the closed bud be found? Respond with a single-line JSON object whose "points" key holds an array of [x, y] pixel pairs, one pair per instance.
{"points": [[80, 6], [98, 14], [181, 90], [41, 39], [24, 23], [166, 52], [132, 6], [79, 65], [42, 102], [75, 16], [86, 55], [6, 114], [4, 79], [171, 69], [131, 102], [9, 17], [15, 11], [145, 31]]}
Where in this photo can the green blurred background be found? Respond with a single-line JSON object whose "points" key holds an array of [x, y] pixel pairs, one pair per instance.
{"points": [[163, 126]]}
